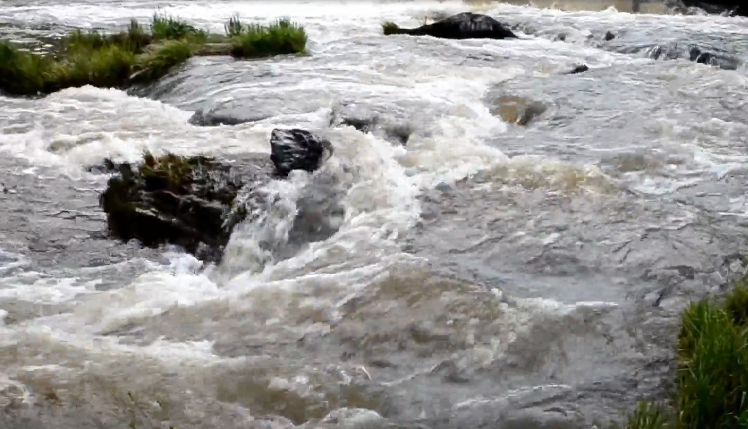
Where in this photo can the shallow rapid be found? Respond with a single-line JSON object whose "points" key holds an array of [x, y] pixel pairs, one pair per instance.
{"points": [[486, 274]]}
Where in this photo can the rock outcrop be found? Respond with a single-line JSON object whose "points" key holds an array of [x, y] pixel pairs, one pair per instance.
{"points": [[731, 7], [466, 25], [192, 201]]}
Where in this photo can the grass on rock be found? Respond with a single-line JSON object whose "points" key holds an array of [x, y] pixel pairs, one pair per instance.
{"points": [[253, 40], [136, 55], [712, 376]]}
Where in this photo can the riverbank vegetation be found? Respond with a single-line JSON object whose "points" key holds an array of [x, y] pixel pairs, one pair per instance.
{"points": [[137, 55], [711, 389]]}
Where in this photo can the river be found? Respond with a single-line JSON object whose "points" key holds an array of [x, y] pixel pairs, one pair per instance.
{"points": [[485, 275]]}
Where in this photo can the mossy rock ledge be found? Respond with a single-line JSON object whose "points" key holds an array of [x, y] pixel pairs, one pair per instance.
{"points": [[191, 201]]}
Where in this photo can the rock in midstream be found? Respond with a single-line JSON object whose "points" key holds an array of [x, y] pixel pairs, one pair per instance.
{"points": [[465, 25], [191, 201]]}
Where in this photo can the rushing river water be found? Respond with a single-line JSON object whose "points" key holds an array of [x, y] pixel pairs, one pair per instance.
{"points": [[486, 275]]}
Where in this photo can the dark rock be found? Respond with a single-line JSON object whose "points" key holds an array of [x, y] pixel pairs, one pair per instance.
{"points": [[579, 68], [106, 167], [730, 7], [295, 149], [609, 36], [465, 25], [185, 201]]}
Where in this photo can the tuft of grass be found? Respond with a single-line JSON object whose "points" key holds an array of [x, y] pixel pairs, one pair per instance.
{"points": [[235, 27], [389, 28], [22, 72], [254, 41], [712, 375], [651, 416], [713, 372], [107, 67], [166, 27]]}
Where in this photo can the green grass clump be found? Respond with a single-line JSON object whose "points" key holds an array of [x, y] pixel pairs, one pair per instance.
{"points": [[101, 60], [712, 376], [235, 27], [22, 72], [107, 67], [137, 56], [253, 41], [390, 28], [165, 27]]}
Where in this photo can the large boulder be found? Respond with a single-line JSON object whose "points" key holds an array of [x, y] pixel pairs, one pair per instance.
{"points": [[465, 25], [192, 201]]}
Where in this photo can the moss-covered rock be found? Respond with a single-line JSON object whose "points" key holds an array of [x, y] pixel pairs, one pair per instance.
{"points": [[185, 201]]}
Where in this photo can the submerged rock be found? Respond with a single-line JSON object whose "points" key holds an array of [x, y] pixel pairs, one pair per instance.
{"points": [[517, 110], [368, 120], [192, 201], [296, 149], [211, 119], [465, 25]]}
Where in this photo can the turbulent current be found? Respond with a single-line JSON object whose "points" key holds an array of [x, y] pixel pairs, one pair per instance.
{"points": [[485, 275]]}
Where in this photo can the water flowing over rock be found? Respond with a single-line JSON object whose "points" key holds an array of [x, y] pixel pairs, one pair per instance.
{"points": [[296, 149], [185, 201], [369, 119], [190, 201], [466, 25]]}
